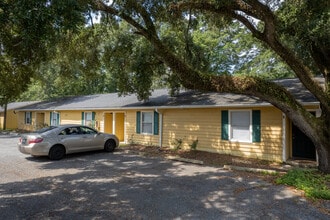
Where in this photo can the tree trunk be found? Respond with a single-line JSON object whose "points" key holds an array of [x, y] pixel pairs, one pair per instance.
{"points": [[5, 117], [323, 152], [323, 147]]}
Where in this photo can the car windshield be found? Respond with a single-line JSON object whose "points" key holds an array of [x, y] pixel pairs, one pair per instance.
{"points": [[45, 129]]}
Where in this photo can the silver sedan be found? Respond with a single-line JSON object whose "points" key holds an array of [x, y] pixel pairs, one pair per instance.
{"points": [[57, 141]]}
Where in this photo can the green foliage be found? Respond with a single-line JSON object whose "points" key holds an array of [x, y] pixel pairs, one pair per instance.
{"points": [[13, 79], [136, 68], [131, 140], [314, 183], [306, 24], [29, 29], [178, 143], [132, 62], [111, 56], [76, 68], [193, 145], [306, 21], [233, 50]]}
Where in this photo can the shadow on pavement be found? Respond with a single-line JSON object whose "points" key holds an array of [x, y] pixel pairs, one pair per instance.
{"points": [[125, 186]]}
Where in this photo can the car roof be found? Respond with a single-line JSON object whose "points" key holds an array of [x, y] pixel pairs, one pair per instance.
{"points": [[68, 125], [71, 125]]}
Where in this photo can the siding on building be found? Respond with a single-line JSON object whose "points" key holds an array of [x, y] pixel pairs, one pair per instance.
{"points": [[70, 117], [12, 115], [21, 122], [189, 125], [132, 136], [11, 122]]}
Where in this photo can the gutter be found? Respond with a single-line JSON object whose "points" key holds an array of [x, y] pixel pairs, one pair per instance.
{"points": [[265, 104]]}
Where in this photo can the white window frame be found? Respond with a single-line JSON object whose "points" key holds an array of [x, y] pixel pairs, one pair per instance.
{"points": [[88, 122], [28, 118], [53, 120], [142, 122], [231, 138]]}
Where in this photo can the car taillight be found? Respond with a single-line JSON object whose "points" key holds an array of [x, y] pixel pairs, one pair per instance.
{"points": [[35, 140]]}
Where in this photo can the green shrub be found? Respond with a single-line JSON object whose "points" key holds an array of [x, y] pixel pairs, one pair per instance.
{"points": [[314, 183], [193, 145], [178, 143], [131, 140]]}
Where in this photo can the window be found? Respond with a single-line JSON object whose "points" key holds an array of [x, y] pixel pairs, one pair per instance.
{"points": [[28, 118], [240, 126], [146, 122], [54, 118], [88, 119], [45, 129], [70, 131], [85, 130]]}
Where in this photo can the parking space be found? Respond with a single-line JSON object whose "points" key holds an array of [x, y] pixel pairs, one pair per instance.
{"points": [[121, 185]]}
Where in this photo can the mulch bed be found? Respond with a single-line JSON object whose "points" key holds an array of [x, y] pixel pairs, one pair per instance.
{"points": [[208, 158]]}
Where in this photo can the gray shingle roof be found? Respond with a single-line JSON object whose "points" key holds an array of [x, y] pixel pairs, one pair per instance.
{"points": [[16, 105], [161, 99], [295, 87]]}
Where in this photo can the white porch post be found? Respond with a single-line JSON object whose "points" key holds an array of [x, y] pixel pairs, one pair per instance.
{"points": [[35, 121], [160, 130], [114, 122]]}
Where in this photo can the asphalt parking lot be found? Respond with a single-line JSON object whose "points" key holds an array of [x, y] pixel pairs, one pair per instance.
{"points": [[122, 185]]}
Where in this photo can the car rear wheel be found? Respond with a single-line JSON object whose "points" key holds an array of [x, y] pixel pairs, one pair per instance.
{"points": [[57, 152], [110, 145]]}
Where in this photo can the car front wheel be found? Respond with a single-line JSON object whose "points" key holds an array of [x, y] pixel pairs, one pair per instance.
{"points": [[109, 145], [57, 152]]}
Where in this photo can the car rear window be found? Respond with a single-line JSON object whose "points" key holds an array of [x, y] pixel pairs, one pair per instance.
{"points": [[45, 129]]}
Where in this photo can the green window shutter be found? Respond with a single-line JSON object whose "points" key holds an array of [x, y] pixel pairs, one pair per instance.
{"points": [[224, 125], [138, 122], [156, 123], [50, 118], [58, 118], [256, 130], [93, 119], [82, 118]]}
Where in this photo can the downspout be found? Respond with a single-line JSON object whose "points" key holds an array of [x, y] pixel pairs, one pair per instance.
{"points": [[35, 121], [318, 114], [160, 144]]}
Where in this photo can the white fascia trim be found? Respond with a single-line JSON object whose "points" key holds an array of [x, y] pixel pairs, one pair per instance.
{"points": [[196, 106], [163, 107]]}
